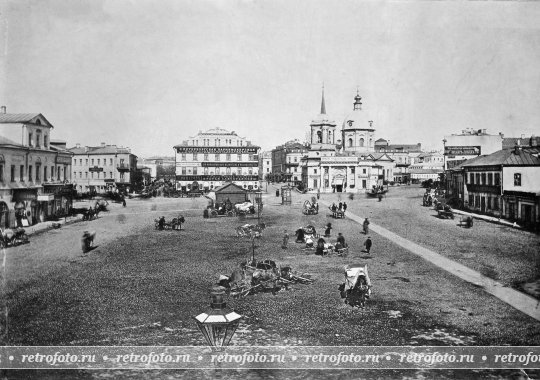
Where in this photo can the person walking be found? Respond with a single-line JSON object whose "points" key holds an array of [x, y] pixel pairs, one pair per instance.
{"points": [[344, 206], [328, 230], [368, 244], [365, 226], [285, 240], [340, 206]]}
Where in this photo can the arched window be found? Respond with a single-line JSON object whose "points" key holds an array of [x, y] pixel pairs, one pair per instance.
{"points": [[350, 142], [361, 142], [370, 142], [330, 139], [319, 137]]}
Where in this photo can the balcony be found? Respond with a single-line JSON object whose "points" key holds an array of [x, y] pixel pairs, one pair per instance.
{"points": [[123, 167]]}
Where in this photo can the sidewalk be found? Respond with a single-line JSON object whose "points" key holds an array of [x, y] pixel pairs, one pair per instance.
{"points": [[488, 218], [49, 225]]}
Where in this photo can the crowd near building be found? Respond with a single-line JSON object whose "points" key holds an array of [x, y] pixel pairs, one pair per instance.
{"points": [[215, 157], [104, 168], [35, 171]]}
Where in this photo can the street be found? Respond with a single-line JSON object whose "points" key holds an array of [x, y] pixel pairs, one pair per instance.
{"points": [[141, 286]]}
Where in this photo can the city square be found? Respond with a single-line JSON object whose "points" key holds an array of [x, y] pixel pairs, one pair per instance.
{"points": [[260, 189]]}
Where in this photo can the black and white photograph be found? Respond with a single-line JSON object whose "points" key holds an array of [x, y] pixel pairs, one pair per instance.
{"points": [[269, 189]]}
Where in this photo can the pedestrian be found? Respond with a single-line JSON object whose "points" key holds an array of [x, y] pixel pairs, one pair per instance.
{"points": [[340, 206], [334, 208], [365, 226], [124, 202], [368, 244], [161, 223], [318, 193], [285, 240], [341, 239], [344, 206], [380, 197], [328, 230]]}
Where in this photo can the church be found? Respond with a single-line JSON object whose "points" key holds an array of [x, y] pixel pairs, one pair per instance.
{"points": [[344, 160]]}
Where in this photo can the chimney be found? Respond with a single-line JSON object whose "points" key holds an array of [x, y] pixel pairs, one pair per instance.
{"points": [[78, 145], [3, 109], [102, 144]]}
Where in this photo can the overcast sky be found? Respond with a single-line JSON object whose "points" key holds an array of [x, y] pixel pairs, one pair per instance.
{"points": [[149, 74]]}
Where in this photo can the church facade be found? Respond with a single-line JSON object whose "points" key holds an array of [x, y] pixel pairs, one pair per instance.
{"points": [[344, 160]]}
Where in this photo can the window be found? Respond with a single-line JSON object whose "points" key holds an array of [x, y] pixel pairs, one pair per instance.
{"points": [[110, 175], [30, 139], [228, 171], [30, 173], [92, 162], [350, 143], [183, 156], [239, 157], [110, 161], [45, 173], [45, 141], [228, 157], [217, 157], [12, 172], [471, 200], [496, 203], [38, 169], [184, 170], [98, 161], [80, 161], [86, 161], [490, 179], [517, 179], [319, 137], [80, 174], [489, 203], [85, 174], [353, 170], [477, 201], [194, 156], [484, 179], [364, 171], [21, 173], [315, 171], [195, 170], [206, 156], [477, 178], [361, 142], [58, 173]]}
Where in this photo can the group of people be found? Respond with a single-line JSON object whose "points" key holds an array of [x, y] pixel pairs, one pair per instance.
{"points": [[341, 207]]}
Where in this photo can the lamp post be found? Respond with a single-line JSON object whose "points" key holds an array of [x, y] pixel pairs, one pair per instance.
{"points": [[258, 200], [218, 323]]}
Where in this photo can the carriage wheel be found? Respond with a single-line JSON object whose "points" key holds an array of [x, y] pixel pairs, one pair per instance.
{"points": [[230, 213], [214, 213]]}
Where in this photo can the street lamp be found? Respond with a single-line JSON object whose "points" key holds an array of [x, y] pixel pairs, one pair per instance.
{"points": [[218, 323]]}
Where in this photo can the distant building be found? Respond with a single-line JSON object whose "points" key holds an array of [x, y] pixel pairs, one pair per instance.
{"points": [[468, 144], [402, 154], [426, 165], [98, 169], [35, 173], [348, 163], [265, 165], [286, 159], [212, 158], [159, 165]]}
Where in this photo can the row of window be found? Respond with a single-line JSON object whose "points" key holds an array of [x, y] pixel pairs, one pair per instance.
{"points": [[218, 171], [217, 142], [98, 175], [485, 179], [217, 157], [98, 160], [48, 175], [38, 139], [484, 203]]}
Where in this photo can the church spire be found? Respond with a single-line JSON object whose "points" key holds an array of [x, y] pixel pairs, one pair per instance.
{"points": [[357, 100], [323, 106]]}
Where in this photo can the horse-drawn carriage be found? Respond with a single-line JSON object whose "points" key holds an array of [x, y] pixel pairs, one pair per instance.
{"points": [[244, 208], [307, 235], [223, 209], [261, 276], [357, 287], [443, 210], [174, 224], [310, 208], [11, 237]]}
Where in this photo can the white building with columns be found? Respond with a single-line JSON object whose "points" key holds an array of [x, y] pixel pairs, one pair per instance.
{"points": [[344, 160]]}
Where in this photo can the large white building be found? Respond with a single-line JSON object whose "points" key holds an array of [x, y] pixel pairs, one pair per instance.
{"points": [[468, 144], [344, 160], [212, 158]]}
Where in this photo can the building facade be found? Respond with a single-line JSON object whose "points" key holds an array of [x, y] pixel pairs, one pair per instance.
{"points": [[468, 144], [212, 158], [286, 160], [402, 154], [99, 169], [346, 164], [35, 174], [503, 184], [265, 165]]}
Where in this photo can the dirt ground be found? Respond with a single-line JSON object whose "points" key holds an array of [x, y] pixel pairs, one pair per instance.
{"points": [[141, 286]]}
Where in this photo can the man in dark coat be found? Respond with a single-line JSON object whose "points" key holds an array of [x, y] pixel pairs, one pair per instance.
{"points": [[368, 244], [344, 206]]}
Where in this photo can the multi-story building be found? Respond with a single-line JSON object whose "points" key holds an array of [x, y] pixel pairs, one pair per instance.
{"points": [[210, 159], [350, 163], [286, 160], [426, 165], [505, 184], [402, 154], [98, 169], [469, 144], [35, 173], [265, 165], [159, 167]]}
